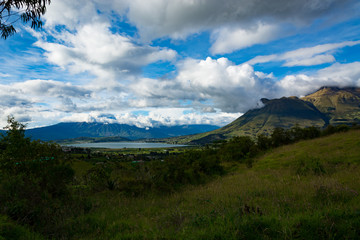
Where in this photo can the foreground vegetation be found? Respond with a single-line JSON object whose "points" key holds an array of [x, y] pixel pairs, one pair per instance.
{"points": [[313, 194], [236, 189]]}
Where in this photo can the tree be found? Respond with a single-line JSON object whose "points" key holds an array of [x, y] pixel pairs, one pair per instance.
{"points": [[280, 137], [263, 142], [12, 11], [34, 179], [237, 149]]}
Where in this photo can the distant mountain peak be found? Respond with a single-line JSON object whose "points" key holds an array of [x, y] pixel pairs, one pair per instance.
{"points": [[341, 105]]}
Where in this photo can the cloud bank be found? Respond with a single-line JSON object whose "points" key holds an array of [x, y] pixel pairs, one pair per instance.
{"points": [[91, 61]]}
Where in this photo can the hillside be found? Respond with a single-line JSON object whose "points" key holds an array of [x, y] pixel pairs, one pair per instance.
{"points": [[307, 190]]}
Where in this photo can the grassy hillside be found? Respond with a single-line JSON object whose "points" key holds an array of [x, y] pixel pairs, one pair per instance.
{"points": [[308, 190]]}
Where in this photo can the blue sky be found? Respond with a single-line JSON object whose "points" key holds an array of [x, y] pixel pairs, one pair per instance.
{"points": [[170, 62]]}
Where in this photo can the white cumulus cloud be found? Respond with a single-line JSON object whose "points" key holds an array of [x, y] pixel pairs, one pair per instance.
{"points": [[341, 75], [95, 49], [219, 82]]}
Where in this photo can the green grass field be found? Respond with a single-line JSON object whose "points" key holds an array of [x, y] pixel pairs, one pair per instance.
{"points": [[307, 190]]}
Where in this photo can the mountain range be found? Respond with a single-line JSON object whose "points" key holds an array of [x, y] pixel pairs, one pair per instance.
{"points": [[328, 105], [71, 130]]}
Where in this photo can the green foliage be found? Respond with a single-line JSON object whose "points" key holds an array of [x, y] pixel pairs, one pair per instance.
{"points": [[268, 202], [176, 171], [238, 149], [271, 202], [263, 142], [25, 10], [193, 167], [296, 133], [243, 149], [280, 137], [34, 180], [330, 129]]}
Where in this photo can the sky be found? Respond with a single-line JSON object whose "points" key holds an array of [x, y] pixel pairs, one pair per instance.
{"points": [[171, 62]]}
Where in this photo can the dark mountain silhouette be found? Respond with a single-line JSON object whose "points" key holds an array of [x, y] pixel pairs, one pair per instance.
{"points": [[83, 129]]}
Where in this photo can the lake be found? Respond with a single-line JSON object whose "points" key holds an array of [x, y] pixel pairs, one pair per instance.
{"points": [[116, 145]]}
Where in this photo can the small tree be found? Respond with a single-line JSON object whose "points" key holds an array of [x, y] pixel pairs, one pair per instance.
{"points": [[14, 145]]}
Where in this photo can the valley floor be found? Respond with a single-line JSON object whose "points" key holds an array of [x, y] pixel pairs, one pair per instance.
{"points": [[307, 190]]}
